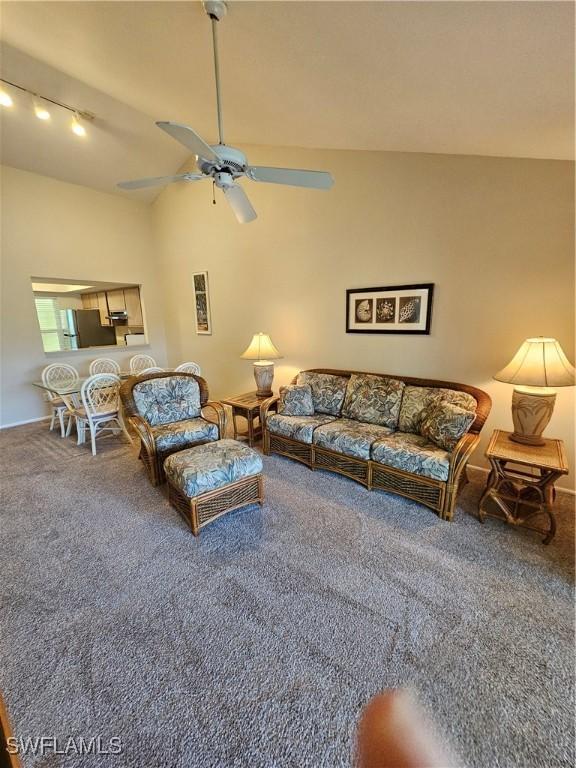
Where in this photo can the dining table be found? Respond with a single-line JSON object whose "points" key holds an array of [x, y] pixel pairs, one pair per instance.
{"points": [[70, 392]]}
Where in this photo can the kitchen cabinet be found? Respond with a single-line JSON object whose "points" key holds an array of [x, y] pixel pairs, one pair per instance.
{"points": [[103, 307], [116, 302], [89, 301], [133, 306]]}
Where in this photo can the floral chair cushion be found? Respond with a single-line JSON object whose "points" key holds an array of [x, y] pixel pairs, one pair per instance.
{"points": [[373, 399], [215, 465], [328, 391], [167, 399], [296, 400], [180, 434], [445, 424], [352, 438], [412, 453], [297, 427]]}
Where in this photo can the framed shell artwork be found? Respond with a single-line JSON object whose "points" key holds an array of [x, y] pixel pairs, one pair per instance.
{"points": [[390, 309]]}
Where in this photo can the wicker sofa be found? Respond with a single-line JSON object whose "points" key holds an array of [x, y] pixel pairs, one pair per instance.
{"points": [[366, 426], [169, 412]]}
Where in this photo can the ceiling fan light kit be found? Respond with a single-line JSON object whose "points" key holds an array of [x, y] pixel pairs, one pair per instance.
{"points": [[223, 164]]}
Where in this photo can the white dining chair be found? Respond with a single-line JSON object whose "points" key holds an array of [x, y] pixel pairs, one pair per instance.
{"points": [[189, 368], [153, 369], [59, 375], [100, 408], [139, 363], [104, 365]]}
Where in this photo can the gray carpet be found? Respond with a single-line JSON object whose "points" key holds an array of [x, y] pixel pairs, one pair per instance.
{"points": [[258, 644]]}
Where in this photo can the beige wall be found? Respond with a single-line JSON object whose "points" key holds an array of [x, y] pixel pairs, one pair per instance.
{"points": [[54, 229], [494, 235]]}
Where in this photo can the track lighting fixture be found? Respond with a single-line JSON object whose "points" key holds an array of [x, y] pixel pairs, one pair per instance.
{"points": [[40, 105]]}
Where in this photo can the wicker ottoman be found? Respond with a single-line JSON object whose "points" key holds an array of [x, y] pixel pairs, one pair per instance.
{"points": [[206, 481]]}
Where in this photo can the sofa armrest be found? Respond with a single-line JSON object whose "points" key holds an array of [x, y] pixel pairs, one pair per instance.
{"points": [[220, 413], [265, 409], [460, 455]]}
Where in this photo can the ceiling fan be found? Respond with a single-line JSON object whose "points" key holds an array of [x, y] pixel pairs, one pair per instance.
{"points": [[224, 164]]}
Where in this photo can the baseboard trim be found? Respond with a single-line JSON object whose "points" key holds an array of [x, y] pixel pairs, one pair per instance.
{"points": [[26, 421], [559, 489]]}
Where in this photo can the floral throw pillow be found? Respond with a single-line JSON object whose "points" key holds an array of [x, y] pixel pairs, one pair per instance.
{"points": [[328, 391], [296, 400], [446, 423], [373, 399], [416, 403]]}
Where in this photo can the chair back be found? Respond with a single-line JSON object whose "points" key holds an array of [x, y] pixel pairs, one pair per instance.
{"points": [[140, 363], [100, 393], [189, 368], [59, 375], [153, 369], [163, 398], [104, 365]]}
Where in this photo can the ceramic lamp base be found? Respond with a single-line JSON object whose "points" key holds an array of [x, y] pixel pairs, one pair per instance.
{"points": [[531, 412], [264, 376]]}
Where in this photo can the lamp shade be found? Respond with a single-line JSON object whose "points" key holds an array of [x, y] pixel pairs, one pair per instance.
{"points": [[261, 348], [539, 362]]}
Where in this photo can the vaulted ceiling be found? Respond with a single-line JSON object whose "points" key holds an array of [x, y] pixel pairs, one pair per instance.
{"points": [[474, 78]]}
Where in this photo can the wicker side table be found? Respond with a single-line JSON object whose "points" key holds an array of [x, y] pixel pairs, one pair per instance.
{"points": [[521, 482], [247, 406]]}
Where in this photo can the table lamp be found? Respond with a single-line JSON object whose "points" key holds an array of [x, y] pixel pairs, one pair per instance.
{"points": [[262, 351], [539, 365]]}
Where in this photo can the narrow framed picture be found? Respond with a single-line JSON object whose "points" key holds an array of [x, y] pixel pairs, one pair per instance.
{"points": [[390, 309], [202, 303]]}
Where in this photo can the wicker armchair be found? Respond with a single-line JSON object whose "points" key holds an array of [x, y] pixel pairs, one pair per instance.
{"points": [[437, 494], [169, 411]]}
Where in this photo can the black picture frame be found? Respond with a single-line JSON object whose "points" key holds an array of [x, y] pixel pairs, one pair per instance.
{"points": [[384, 309]]}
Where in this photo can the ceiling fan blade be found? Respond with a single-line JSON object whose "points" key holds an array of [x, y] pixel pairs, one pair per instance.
{"points": [[189, 139], [239, 203], [292, 176], [157, 181]]}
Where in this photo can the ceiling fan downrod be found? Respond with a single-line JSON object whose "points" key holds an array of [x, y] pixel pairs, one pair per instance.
{"points": [[216, 10]]}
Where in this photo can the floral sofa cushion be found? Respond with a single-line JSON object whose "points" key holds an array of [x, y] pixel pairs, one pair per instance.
{"points": [[412, 453], [352, 438], [296, 400], [373, 399], [328, 391], [167, 399], [179, 434], [198, 470], [446, 423], [297, 427]]}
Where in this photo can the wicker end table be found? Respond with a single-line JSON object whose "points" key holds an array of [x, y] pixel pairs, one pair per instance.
{"points": [[521, 482], [248, 407]]}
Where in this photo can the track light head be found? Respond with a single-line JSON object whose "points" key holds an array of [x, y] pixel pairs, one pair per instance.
{"points": [[6, 99], [40, 110], [77, 126]]}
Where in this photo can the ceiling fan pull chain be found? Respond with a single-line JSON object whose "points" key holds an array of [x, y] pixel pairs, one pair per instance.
{"points": [[213, 193]]}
